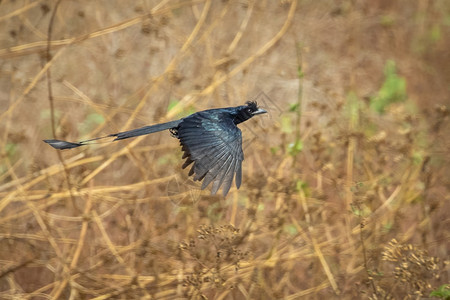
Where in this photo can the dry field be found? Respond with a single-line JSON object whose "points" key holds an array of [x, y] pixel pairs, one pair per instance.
{"points": [[346, 183]]}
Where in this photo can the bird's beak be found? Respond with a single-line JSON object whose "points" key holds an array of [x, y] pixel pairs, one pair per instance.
{"points": [[259, 111]]}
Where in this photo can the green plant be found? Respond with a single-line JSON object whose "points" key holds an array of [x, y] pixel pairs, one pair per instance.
{"points": [[392, 90], [442, 292]]}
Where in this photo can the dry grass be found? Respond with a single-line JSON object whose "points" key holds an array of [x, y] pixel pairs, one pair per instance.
{"points": [[338, 201]]}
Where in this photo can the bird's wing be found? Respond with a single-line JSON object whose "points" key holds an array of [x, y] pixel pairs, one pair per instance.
{"points": [[214, 145]]}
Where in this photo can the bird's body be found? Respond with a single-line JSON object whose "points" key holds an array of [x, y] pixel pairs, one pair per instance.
{"points": [[209, 139]]}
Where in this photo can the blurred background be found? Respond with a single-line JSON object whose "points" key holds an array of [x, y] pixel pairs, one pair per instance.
{"points": [[345, 190]]}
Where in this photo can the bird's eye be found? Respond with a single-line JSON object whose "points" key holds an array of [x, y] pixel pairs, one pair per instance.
{"points": [[249, 110]]}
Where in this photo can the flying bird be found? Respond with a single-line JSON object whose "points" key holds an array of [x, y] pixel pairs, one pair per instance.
{"points": [[210, 141]]}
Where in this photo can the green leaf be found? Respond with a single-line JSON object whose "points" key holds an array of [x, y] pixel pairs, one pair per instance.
{"points": [[92, 120], [95, 118], [184, 113], [435, 34], [295, 148], [417, 157], [387, 227], [291, 229], [11, 149], [293, 107], [274, 150], [286, 124], [387, 21], [301, 185], [300, 73], [164, 160], [442, 292], [363, 211], [172, 104], [393, 89]]}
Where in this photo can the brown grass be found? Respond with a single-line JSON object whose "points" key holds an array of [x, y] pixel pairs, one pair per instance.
{"points": [[338, 201]]}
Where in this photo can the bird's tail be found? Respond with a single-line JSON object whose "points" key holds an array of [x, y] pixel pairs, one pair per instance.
{"points": [[145, 130], [60, 145]]}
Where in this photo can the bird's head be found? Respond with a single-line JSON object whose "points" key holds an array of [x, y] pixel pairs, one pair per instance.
{"points": [[247, 111]]}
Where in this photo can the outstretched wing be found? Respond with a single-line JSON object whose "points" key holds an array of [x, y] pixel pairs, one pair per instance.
{"points": [[214, 144]]}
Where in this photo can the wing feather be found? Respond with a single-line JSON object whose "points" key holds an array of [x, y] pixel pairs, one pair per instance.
{"points": [[217, 173], [225, 175], [209, 159], [214, 147], [227, 180], [214, 170]]}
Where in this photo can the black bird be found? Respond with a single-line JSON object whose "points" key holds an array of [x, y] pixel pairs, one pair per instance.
{"points": [[210, 139]]}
